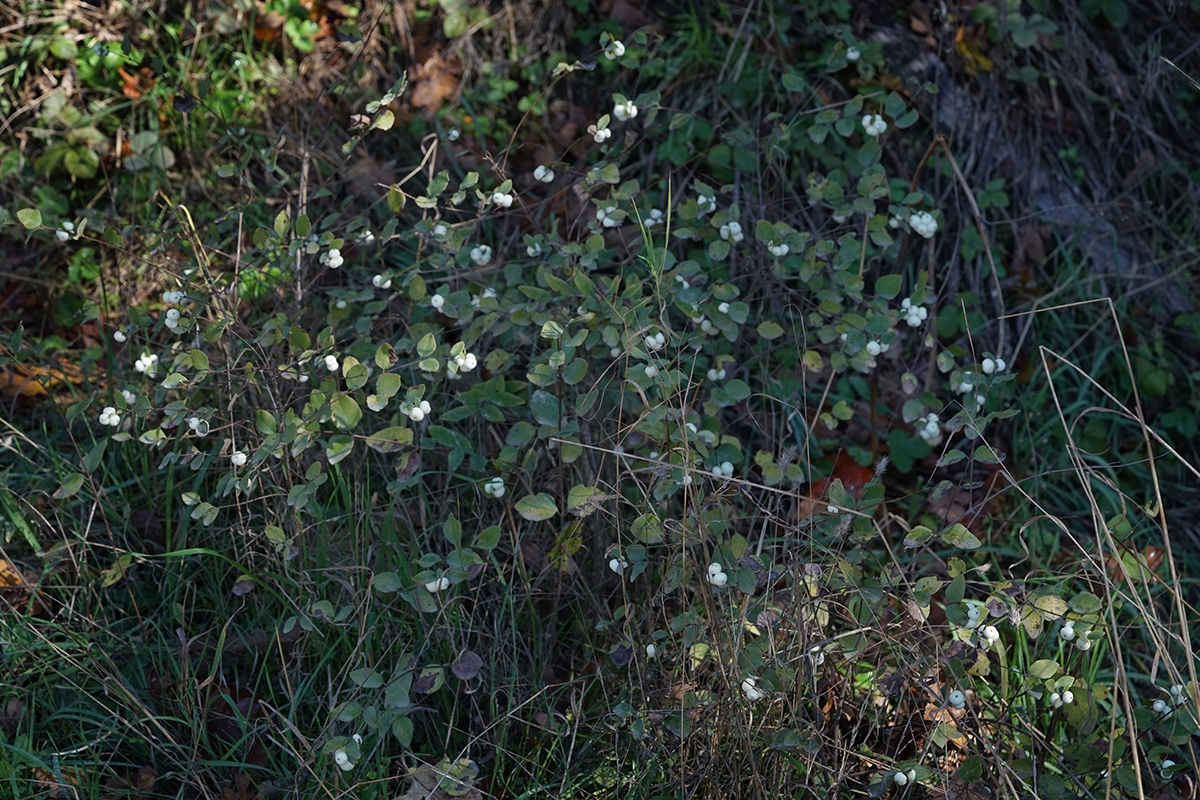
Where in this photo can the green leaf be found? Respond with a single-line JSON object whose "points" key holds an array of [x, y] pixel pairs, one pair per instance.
{"points": [[957, 589], [389, 440], [889, 286], [427, 346], [265, 422], [579, 499], [770, 330], [452, 530], [367, 678], [986, 455], [544, 407], [1085, 603], [30, 217], [488, 538], [70, 486], [951, 457], [384, 121], [63, 48], [402, 729], [918, 536], [971, 770], [345, 412], [355, 373], [1043, 669], [957, 535], [387, 384], [338, 448], [1051, 605], [386, 583], [92, 459], [648, 529], [575, 372], [536, 507]]}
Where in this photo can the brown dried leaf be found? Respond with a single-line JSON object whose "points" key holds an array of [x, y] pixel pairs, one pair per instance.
{"points": [[432, 82]]}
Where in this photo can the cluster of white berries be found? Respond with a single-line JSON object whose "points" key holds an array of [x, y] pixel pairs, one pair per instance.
{"points": [[957, 699], [238, 458], [342, 759], [923, 224], [853, 54], [543, 173], [109, 416], [1064, 699], [973, 616], [600, 135], [380, 282], [502, 199], [198, 426], [333, 259], [129, 396], [171, 320], [716, 375], [625, 111], [481, 255], [654, 217], [716, 575], [778, 250], [875, 347], [66, 231], [993, 366], [651, 371], [706, 204], [750, 688], [494, 487], [418, 412], [874, 124], [656, 341], [914, 314], [489, 292], [607, 216], [614, 50], [1165, 770], [147, 363], [437, 584], [988, 635], [172, 298], [903, 778], [460, 364], [1163, 708], [929, 428], [723, 470], [617, 564], [707, 326], [732, 232], [331, 363]]}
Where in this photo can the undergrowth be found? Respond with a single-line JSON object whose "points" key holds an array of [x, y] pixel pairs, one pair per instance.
{"points": [[676, 422]]}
